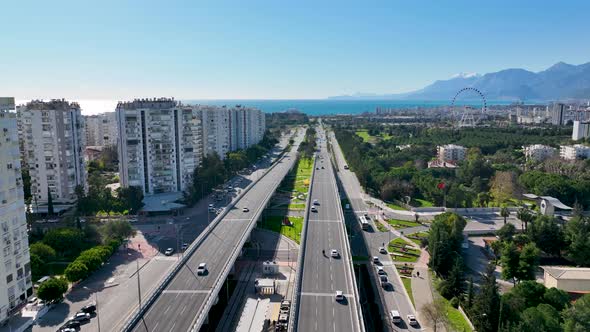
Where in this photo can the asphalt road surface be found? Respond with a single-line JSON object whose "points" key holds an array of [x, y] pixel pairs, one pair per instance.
{"points": [[185, 296], [322, 274], [394, 296]]}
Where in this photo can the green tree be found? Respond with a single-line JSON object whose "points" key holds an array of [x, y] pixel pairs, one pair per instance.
{"points": [[487, 303], [52, 289], [504, 212], [541, 318], [470, 293], [557, 298], [92, 258], [435, 313], [117, 229], [38, 266], [453, 285], [577, 235], [506, 233], [43, 251], [528, 262], [50, 209], [66, 241], [131, 198], [577, 317], [510, 262], [76, 271], [547, 235], [524, 215]]}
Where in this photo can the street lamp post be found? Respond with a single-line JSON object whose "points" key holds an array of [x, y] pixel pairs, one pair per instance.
{"points": [[96, 303]]}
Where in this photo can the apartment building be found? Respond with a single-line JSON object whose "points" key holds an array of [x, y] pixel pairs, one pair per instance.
{"points": [[101, 129], [159, 144], [573, 152], [539, 152], [451, 153], [15, 269], [53, 149], [162, 141], [580, 130]]}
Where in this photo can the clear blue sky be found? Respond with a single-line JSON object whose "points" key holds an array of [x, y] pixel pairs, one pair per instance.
{"points": [[274, 49]]}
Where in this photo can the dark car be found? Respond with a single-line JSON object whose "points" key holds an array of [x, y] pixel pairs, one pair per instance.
{"points": [[72, 324], [90, 308]]}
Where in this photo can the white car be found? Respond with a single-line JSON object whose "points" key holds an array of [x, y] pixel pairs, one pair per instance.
{"points": [[334, 253], [245, 210], [376, 260], [412, 320], [395, 316], [169, 252], [339, 296], [316, 202], [380, 270], [382, 250], [80, 317], [314, 209], [202, 269]]}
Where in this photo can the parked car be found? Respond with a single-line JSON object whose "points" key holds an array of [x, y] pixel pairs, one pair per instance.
{"points": [[81, 317], [380, 270], [376, 260], [169, 252], [384, 281], [184, 246], [396, 318], [245, 210], [89, 308]]}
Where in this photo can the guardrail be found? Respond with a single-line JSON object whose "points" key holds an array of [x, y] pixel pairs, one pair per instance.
{"points": [[349, 258], [296, 288], [190, 251], [199, 319]]}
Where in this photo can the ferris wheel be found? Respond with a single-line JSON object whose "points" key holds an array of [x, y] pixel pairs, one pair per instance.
{"points": [[468, 116]]}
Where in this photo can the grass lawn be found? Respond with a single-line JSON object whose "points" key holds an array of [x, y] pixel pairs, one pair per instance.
{"points": [[456, 319], [417, 237], [400, 224], [296, 206], [422, 203], [409, 255], [275, 224], [380, 226], [408, 286], [364, 135], [395, 206]]}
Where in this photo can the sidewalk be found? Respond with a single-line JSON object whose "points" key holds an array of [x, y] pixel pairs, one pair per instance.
{"points": [[422, 289]]}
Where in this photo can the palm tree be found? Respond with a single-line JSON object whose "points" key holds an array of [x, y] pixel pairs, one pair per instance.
{"points": [[524, 215], [504, 212]]}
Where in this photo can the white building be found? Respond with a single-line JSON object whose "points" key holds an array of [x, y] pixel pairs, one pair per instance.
{"points": [[159, 144], [162, 141], [539, 152], [569, 279], [101, 129], [451, 153], [581, 130], [15, 272], [573, 152], [53, 136]]}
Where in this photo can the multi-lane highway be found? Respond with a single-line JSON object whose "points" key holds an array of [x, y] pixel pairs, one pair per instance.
{"points": [[184, 302], [394, 297], [322, 274]]}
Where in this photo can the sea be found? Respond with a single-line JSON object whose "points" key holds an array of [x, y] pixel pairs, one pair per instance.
{"points": [[312, 107]]}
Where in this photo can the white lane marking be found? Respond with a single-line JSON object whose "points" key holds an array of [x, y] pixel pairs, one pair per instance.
{"points": [[156, 326], [167, 309], [186, 291], [172, 328], [325, 294]]}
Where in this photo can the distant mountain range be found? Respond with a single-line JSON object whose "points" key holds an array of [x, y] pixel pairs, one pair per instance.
{"points": [[560, 81]]}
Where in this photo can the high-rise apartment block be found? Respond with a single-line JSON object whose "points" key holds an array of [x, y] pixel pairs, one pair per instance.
{"points": [[557, 114], [15, 271], [581, 130], [159, 144], [101, 129], [161, 141], [53, 149]]}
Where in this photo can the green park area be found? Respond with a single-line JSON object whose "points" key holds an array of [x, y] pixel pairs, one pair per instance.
{"points": [[296, 184], [405, 272], [401, 224], [277, 224], [418, 237], [367, 137], [402, 252]]}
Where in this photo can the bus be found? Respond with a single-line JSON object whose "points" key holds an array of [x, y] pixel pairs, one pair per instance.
{"points": [[364, 223]]}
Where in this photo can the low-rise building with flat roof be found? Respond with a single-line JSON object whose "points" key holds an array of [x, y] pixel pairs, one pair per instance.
{"points": [[569, 279]]}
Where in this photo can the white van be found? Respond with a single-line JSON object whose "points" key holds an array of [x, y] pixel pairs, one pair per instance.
{"points": [[395, 317]]}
